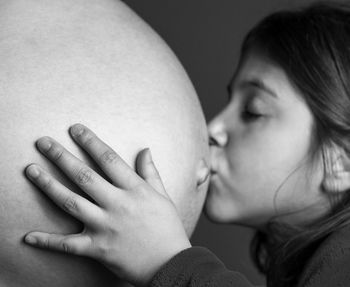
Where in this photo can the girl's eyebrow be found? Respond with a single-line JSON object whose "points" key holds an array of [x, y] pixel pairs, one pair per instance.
{"points": [[257, 83]]}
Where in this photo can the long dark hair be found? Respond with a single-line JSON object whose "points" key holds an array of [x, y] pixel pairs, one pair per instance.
{"points": [[312, 45]]}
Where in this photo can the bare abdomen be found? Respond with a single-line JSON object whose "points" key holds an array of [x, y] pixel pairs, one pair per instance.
{"points": [[97, 63]]}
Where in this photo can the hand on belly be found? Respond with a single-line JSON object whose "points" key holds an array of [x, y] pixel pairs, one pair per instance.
{"points": [[128, 220]]}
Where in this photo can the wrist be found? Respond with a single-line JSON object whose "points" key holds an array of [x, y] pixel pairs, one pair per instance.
{"points": [[158, 261]]}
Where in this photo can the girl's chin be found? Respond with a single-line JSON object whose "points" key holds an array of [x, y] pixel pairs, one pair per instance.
{"points": [[214, 210], [220, 208], [212, 215]]}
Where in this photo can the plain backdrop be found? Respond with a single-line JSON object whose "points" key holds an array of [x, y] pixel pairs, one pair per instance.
{"points": [[206, 36]]}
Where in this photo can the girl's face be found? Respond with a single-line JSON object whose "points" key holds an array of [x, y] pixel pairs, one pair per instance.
{"points": [[261, 151]]}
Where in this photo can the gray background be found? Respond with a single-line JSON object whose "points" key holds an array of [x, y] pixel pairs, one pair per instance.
{"points": [[206, 36]]}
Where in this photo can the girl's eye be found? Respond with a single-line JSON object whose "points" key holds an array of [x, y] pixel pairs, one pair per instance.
{"points": [[248, 115], [252, 111]]}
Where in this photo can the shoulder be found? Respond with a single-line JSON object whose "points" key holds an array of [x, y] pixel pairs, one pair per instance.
{"points": [[330, 265]]}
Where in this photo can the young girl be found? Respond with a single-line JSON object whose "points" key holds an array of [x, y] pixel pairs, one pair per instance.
{"points": [[280, 164]]}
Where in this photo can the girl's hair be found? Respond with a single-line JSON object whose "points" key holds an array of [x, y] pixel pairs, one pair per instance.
{"points": [[312, 45]]}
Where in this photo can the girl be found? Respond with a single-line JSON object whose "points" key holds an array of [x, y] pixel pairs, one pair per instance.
{"points": [[280, 164]]}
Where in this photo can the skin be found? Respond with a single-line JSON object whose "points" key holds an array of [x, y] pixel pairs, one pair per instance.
{"points": [[96, 62], [261, 143], [262, 149], [118, 205]]}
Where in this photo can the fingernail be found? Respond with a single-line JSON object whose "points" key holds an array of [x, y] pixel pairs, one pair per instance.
{"points": [[33, 171], [44, 144], [76, 130], [30, 239], [149, 154]]}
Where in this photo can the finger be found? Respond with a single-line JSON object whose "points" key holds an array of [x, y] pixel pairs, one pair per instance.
{"points": [[148, 171], [74, 204], [85, 177], [79, 244], [117, 170]]}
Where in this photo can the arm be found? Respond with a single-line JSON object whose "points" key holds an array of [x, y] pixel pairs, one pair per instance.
{"points": [[132, 226]]}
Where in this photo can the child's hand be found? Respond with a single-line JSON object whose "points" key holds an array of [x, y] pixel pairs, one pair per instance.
{"points": [[133, 228]]}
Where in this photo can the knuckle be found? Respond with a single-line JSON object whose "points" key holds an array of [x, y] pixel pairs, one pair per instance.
{"points": [[70, 204], [87, 138], [65, 247], [102, 250], [84, 176], [46, 242], [56, 152], [109, 157], [46, 183]]}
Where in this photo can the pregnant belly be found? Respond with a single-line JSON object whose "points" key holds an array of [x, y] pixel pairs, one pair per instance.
{"points": [[101, 66], [24, 208], [125, 124]]}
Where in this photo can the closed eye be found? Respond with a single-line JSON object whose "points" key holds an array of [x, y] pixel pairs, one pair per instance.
{"points": [[249, 115], [251, 112], [250, 118]]}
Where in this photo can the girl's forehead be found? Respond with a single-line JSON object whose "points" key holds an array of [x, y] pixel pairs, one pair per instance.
{"points": [[255, 64], [260, 71]]}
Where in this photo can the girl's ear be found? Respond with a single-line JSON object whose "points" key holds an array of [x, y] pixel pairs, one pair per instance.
{"points": [[337, 170]]}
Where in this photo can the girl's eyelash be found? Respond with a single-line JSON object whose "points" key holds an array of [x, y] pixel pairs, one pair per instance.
{"points": [[251, 115], [252, 110]]}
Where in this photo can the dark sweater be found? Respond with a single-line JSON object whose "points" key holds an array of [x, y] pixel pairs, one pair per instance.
{"points": [[198, 267]]}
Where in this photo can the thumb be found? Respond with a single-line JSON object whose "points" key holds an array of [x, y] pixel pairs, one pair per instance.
{"points": [[148, 171]]}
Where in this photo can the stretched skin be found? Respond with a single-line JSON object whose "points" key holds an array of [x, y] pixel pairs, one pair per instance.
{"points": [[94, 62]]}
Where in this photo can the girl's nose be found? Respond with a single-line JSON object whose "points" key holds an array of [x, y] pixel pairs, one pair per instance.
{"points": [[217, 133]]}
